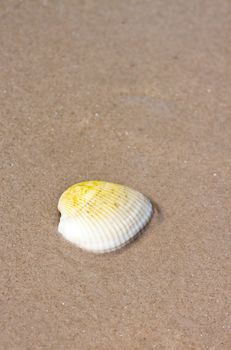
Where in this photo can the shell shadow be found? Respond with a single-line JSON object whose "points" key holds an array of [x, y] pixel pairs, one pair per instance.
{"points": [[158, 210]]}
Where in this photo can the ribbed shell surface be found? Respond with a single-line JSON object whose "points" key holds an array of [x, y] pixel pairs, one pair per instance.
{"points": [[101, 216]]}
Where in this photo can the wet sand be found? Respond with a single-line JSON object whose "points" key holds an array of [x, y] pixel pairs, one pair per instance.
{"points": [[133, 92]]}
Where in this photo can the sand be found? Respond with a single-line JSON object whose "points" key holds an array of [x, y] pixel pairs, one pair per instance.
{"points": [[135, 92]]}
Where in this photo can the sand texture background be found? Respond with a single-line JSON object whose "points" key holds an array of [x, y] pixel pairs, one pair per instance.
{"points": [[135, 92]]}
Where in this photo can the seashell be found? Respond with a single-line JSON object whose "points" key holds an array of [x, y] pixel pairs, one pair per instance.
{"points": [[101, 216]]}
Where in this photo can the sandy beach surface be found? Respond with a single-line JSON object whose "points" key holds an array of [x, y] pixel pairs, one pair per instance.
{"points": [[134, 92]]}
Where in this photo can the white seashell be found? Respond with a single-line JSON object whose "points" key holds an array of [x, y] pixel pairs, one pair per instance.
{"points": [[101, 216]]}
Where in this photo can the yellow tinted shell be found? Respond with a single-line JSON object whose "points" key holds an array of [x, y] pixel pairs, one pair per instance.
{"points": [[101, 216]]}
